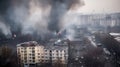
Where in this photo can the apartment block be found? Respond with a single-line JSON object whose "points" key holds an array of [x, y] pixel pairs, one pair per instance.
{"points": [[34, 53]]}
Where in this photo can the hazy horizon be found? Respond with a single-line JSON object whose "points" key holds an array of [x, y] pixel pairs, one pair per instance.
{"points": [[100, 6]]}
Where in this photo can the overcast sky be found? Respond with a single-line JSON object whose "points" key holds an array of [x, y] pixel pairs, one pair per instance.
{"points": [[100, 6]]}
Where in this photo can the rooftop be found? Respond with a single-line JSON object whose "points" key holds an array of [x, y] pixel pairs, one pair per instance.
{"points": [[50, 46], [26, 44], [115, 34]]}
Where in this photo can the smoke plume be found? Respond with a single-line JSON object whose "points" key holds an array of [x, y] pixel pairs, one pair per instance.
{"points": [[5, 29], [58, 9], [36, 16]]}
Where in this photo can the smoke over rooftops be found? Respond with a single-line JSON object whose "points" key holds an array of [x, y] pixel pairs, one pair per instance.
{"points": [[36, 16]]}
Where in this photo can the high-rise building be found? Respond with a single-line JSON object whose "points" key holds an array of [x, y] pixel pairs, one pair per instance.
{"points": [[111, 20]]}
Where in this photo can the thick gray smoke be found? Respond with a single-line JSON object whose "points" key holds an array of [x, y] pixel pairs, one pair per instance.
{"points": [[4, 29], [38, 16], [69, 21], [58, 9], [31, 16]]}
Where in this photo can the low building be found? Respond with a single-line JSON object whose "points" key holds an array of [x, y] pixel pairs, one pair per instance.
{"points": [[34, 53]]}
